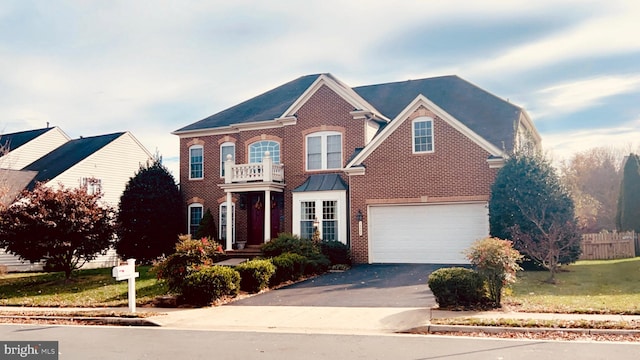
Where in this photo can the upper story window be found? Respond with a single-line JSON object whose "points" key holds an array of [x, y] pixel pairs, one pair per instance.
{"points": [[227, 148], [92, 185], [324, 150], [422, 135], [257, 150], [196, 162]]}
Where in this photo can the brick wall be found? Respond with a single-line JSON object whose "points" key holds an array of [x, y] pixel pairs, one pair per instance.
{"points": [[457, 170]]}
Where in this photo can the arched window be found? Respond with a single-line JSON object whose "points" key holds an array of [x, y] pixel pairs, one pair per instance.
{"points": [[324, 150], [257, 150], [196, 162]]}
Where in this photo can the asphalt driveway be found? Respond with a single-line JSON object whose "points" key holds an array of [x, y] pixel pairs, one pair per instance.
{"points": [[398, 285]]}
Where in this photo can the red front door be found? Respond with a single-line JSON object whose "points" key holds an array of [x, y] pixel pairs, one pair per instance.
{"points": [[255, 224]]}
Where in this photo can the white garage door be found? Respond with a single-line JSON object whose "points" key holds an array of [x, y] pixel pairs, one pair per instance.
{"points": [[437, 234]]}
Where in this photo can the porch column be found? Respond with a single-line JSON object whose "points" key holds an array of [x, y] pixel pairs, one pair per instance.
{"points": [[267, 216], [229, 224]]}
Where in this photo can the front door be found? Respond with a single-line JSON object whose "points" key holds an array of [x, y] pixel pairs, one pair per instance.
{"points": [[256, 217]]}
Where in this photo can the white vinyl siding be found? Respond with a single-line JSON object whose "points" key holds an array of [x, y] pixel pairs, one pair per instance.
{"points": [[34, 149]]}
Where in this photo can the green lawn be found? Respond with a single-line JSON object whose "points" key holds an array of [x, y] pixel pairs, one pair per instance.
{"points": [[604, 286], [87, 288]]}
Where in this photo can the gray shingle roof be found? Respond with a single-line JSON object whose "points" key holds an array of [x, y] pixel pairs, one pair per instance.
{"points": [[322, 182], [66, 156], [486, 114], [15, 140], [267, 106]]}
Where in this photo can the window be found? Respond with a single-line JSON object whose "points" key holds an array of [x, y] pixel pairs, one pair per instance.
{"points": [[92, 185], [195, 215], [307, 217], [223, 222], [196, 162], [227, 148], [257, 150], [324, 151], [329, 220], [423, 135]]}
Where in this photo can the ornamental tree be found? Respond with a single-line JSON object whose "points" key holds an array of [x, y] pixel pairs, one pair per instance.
{"points": [[150, 216], [628, 214], [529, 205], [68, 226]]}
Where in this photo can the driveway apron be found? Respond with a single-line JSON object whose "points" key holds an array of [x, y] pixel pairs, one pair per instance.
{"points": [[397, 285]]}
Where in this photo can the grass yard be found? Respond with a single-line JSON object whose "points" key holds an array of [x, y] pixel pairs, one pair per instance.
{"points": [[87, 288], [595, 286]]}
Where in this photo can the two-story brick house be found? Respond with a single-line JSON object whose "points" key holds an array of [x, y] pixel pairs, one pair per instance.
{"points": [[401, 172]]}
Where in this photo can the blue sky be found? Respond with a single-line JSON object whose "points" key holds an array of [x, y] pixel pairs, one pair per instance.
{"points": [[151, 67]]}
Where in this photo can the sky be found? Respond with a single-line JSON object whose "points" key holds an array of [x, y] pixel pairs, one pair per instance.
{"points": [[152, 67]]}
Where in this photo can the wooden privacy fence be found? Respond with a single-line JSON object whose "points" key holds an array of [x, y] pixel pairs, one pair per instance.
{"points": [[603, 246]]}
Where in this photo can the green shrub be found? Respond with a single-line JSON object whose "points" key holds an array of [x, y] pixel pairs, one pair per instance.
{"points": [[336, 252], [316, 264], [287, 243], [288, 267], [497, 261], [202, 286], [255, 275], [453, 287], [190, 254]]}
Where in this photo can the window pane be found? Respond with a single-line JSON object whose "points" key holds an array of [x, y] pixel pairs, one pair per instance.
{"points": [[224, 151], [223, 223], [307, 216], [423, 136], [257, 150], [195, 161], [314, 153], [195, 215], [329, 220], [334, 152]]}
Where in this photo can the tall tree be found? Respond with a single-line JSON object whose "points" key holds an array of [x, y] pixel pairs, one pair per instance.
{"points": [[593, 179], [527, 198], [61, 224], [628, 215], [150, 216]]}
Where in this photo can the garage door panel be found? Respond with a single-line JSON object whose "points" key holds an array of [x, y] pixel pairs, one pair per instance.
{"points": [[426, 233]]}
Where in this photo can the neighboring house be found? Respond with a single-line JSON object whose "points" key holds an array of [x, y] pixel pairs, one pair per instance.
{"points": [[100, 163], [26, 147], [400, 172]]}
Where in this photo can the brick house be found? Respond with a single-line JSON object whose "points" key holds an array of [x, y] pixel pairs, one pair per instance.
{"points": [[401, 172]]}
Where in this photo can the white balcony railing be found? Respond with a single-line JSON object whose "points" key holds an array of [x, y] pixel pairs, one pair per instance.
{"points": [[265, 171]]}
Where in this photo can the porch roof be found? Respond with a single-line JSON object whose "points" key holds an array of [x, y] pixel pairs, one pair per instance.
{"points": [[322, 182]]}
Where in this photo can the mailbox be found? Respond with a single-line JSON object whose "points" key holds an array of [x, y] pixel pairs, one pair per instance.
{"points": [[128, 272]]}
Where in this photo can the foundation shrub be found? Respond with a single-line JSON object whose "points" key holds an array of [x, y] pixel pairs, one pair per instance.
{"points": [[209, 283], [457, 287], [255, 275], [289, 267], [336, 252], [288, 243]]}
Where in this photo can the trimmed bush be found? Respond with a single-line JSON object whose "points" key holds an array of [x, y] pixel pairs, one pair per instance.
{"points": [[210, 283], [255, 275], [337, 252], [288, 243], [316, 264], [288, 267], [455, 287]]}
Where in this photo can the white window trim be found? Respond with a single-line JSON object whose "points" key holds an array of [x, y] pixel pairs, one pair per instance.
{"points": [[323, 145], [413, 135], [233, 222], [222, 159], [191, 206], [189, 154], [319, 196]]}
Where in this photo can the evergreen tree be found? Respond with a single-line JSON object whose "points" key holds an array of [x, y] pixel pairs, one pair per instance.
{"points": [[628, 215], [150, 216], [207, 227], [528, 201]]}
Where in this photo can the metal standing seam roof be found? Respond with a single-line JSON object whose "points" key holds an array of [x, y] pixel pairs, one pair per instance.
{"points": [[17, 139], [66, 156], [322, 182]]}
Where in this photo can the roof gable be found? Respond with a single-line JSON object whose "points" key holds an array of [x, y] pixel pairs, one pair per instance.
{"points": [[17, 139], [487, 115], [67, 155]]}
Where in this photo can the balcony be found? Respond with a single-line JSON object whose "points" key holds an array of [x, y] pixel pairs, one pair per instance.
{"points": [[266, 171]]}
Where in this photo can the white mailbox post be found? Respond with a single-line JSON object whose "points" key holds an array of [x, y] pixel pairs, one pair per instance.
{"points": [[128, 272]]}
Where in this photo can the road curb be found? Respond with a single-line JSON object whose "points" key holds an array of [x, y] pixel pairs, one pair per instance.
{"points": [[81, 319], [435, 329]]}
